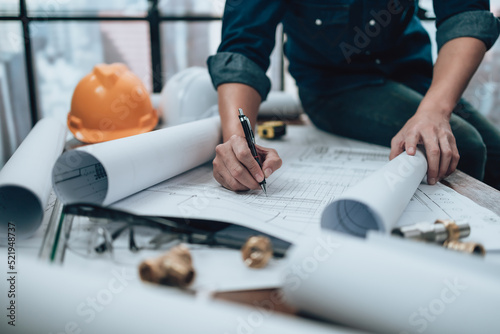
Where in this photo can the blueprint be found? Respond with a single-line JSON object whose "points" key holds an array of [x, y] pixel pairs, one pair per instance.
{"points": [[317, 169], [106, 172], [25, 185]]}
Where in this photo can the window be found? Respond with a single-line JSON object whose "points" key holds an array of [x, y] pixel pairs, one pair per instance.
{"points": [[155, 39], [15, 121]]}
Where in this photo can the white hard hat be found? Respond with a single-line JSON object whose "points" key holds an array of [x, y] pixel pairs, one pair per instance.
{"points": [[188, 96]]}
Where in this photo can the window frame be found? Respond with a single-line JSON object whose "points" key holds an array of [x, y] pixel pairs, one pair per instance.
{"points": [[153, 17]]}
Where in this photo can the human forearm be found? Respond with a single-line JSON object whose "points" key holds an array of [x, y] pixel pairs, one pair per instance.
{"points": [[456, 63], [234, 166], [231, 97], [430, 126]]}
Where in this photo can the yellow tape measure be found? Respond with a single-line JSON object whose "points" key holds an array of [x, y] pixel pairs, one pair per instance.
{"points": [[272, 130]]}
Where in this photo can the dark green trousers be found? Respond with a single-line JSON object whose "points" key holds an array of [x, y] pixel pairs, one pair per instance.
{"points": [[375, 114]]}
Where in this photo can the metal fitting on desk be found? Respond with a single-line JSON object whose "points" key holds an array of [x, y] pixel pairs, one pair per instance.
{"points": [[439, 232], [455, 230], [465, 247], [445, 232], [257, 251], [174, 268]]}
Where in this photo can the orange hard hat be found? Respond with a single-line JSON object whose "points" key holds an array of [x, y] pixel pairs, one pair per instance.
{"points": [[110, 103]]}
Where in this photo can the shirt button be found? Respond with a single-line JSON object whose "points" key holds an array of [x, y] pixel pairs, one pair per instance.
{"points": [[372, 22], [377, 61], [318, 22]]}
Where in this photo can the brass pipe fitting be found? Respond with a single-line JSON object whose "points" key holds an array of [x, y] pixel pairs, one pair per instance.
{"points": [[465, 247], [257, 251], [174, 268]]}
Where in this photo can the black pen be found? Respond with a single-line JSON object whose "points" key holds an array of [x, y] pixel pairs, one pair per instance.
{"points": [[247, 128]]}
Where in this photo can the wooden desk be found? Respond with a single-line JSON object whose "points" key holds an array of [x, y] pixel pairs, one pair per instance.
{"points": [[477, 191]]}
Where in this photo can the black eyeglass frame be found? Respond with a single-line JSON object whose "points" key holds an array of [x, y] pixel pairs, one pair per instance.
{"points": [[191, 231]]}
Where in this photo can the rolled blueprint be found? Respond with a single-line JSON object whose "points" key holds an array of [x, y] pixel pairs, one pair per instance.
{"points": [[69, 299], [392, 285], [25, 180], [378, 201], [106, 172]]}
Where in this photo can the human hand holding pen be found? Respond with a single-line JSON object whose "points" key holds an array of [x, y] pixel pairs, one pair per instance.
{"points": [[236, 169]]}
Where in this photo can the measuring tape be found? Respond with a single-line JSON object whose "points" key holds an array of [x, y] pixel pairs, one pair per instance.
{"points": [[272, 129]]}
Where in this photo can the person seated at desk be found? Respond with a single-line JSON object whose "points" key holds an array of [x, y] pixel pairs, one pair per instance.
{"points": [[364, 70]]}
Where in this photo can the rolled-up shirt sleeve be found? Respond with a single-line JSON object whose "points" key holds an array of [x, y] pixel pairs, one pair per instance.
{"points": [[228, 67], [465, 18], [248, 38]]}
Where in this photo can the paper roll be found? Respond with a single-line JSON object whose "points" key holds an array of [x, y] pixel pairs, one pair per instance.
{"points": [[98, 299], [280, 105], [107, 172], [377, 202], [390, 285], [25, 180]]}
